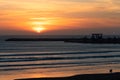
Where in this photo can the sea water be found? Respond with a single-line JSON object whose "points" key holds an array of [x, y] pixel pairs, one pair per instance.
{"points": [[56, 59]]}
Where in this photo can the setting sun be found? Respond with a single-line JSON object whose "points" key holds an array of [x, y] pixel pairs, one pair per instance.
{"points": [[38, 29], [40, 24]]}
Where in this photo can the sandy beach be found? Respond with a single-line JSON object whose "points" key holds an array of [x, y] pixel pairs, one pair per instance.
{"points": [[107, 76]]}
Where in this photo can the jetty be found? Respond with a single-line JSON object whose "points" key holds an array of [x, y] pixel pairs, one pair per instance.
{"points": [[40, 39], [94, 38]]}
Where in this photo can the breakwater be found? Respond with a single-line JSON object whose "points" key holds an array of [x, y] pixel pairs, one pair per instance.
{"points": [[95, 38]]}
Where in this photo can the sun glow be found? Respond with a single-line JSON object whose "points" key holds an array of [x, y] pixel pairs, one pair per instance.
{"points": [[39, 29], [40, 24]]}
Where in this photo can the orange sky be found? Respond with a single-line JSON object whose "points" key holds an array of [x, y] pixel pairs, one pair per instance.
{"points": [[59, 16]]}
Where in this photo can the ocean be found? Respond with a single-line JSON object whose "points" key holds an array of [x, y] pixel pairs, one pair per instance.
{"points": [[55, 59]]}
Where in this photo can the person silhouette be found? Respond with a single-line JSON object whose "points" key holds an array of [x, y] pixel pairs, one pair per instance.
{"points": [[110, 70]]}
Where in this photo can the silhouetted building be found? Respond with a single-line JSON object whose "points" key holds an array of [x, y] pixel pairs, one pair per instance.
{"points": [[97, 36]]}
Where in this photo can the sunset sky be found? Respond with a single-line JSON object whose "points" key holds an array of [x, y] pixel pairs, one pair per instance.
{"points": [[59, 17]]}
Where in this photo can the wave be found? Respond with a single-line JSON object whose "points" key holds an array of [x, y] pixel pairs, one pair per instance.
{"points": [[56, 58], [64, 63], [55, 65], [53, 53]]}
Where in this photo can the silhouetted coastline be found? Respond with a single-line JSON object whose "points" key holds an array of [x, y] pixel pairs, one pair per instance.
{"points": [[109, 76], [95, 38]]}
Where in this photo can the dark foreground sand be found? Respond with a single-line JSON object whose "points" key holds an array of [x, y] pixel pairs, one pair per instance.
{"points": [[112, 76]]}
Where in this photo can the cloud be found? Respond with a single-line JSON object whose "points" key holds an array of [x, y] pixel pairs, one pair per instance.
{"points": [[69, 13]]}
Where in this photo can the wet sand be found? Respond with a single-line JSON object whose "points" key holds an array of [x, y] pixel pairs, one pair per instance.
{"points": [[107, 76]]}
